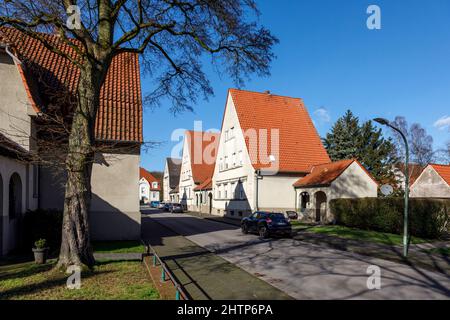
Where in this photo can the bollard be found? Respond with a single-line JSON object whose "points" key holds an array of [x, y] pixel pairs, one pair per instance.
{"points": [[177, 295], [163, 275], [154, 260]]}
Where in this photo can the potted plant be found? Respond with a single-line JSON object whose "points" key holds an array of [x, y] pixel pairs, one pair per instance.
{"points": [[40, 251]]}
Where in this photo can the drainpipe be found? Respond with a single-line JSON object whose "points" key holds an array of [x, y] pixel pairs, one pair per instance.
{"points": [[258, 177]]}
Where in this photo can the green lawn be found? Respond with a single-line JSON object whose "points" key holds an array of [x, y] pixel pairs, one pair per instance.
{"points": [[118, 247], [108, 281], [364, 235]]}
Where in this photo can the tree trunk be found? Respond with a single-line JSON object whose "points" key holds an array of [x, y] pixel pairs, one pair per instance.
{"points": [[75, 244]]}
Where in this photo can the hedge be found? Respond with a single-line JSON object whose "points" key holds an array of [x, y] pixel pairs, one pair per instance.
{"points": [[428, 218], [43, 224]]}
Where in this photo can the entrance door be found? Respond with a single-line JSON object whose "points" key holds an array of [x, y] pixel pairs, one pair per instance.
{"points": [[321, 206]]}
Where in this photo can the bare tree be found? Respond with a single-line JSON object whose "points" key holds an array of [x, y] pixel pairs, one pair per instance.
{"points": [[172, 37], [420, 142]]}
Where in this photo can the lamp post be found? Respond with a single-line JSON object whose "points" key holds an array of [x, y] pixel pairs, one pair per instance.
{"points": [[386, 122]]}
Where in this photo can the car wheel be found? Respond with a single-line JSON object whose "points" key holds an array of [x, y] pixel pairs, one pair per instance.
{"points": [[263, 233], [244, 229]]}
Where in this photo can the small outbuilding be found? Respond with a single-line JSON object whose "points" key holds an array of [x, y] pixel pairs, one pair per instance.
{"points": [[434, 182], [340, 179]]}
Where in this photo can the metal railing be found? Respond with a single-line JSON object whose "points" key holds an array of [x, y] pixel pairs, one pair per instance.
{"points": [[166, 274]]}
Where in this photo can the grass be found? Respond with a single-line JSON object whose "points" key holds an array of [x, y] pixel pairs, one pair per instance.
{"points": [[107, 281], [364, 235], [118, 247]]}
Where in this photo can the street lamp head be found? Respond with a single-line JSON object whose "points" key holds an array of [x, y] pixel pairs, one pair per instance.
{"points": [[382, 121]]}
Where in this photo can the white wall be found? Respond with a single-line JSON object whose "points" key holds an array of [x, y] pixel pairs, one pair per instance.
{"points": [[430, 185], [354, 183], [223, 177], [276, 193], [15, 107], [187, 184], [166, 183], [9, 227]]}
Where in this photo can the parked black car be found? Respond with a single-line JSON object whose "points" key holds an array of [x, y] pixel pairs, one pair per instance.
{"points": [[176, 208], [266, 224], [167, 207]]}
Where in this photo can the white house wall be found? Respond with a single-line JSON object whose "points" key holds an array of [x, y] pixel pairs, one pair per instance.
{"points": [[430, 185], [223, 178], [166, 183], [187, 184], [353, 183], [276, 193], [8, 228], [15, 108]]}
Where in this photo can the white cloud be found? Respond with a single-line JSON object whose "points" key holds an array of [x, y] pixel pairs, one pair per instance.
{"points": [[322, 114], [442, 123]]}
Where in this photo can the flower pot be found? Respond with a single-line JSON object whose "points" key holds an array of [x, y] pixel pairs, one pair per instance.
{"points": [[40, 255]]}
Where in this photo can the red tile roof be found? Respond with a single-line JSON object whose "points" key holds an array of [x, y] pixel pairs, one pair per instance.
{"points": [[203, 152], [150, 178], [119, 117], [325, 174], [415, 170], [300, 146], [443, 171], [206, 185]]}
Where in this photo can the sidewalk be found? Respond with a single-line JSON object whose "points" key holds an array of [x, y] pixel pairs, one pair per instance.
{"points": [[203, 274], [416, 256]]}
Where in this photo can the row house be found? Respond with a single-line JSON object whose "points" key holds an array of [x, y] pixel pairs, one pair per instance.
{"points": [[267, 143], [197, 165], [433, 182], [149, 187], [171, 178], [33, 81]]}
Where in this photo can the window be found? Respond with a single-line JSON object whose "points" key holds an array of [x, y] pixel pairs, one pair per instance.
{"points": [[155, 184], [226, 191], [226, 162], [232, 212], [240, 213], [233, 192], [234, 159], [221, 164], [241, 191]]}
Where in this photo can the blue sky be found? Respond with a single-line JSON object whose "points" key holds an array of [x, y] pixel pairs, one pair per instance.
{"points": [[329, 58]]}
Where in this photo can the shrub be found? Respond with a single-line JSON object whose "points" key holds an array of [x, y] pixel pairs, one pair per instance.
{"points": [[40, 244], [43, 224], [428, 218]]}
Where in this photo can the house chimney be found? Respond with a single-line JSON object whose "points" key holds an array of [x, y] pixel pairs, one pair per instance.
{"points": [[267, 92]]}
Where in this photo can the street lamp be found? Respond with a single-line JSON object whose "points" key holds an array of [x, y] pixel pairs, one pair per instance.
{"points": [[386, 122]]}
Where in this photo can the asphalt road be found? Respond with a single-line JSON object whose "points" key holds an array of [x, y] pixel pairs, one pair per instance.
{"points": [[304, 270]]}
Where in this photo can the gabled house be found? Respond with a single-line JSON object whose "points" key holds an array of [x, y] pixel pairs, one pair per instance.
{"points": [[197, 165], [171, 179], [267, 143], [334, 180], [414, 172], [433, 182], [149, 187], [32, 76]]}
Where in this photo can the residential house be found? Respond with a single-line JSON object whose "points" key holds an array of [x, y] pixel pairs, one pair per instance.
{"points": [[340, 179], [171, 179], [197, 165], [414, 172], [267, 143], [149, 187], [433, 182], [32, 76]]}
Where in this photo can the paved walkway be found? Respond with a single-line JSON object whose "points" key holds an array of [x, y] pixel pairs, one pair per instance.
{"points": [[203, 274]]}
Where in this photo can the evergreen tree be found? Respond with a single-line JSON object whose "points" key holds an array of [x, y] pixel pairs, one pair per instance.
{"points": [[340, 143], [348, 139]]}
